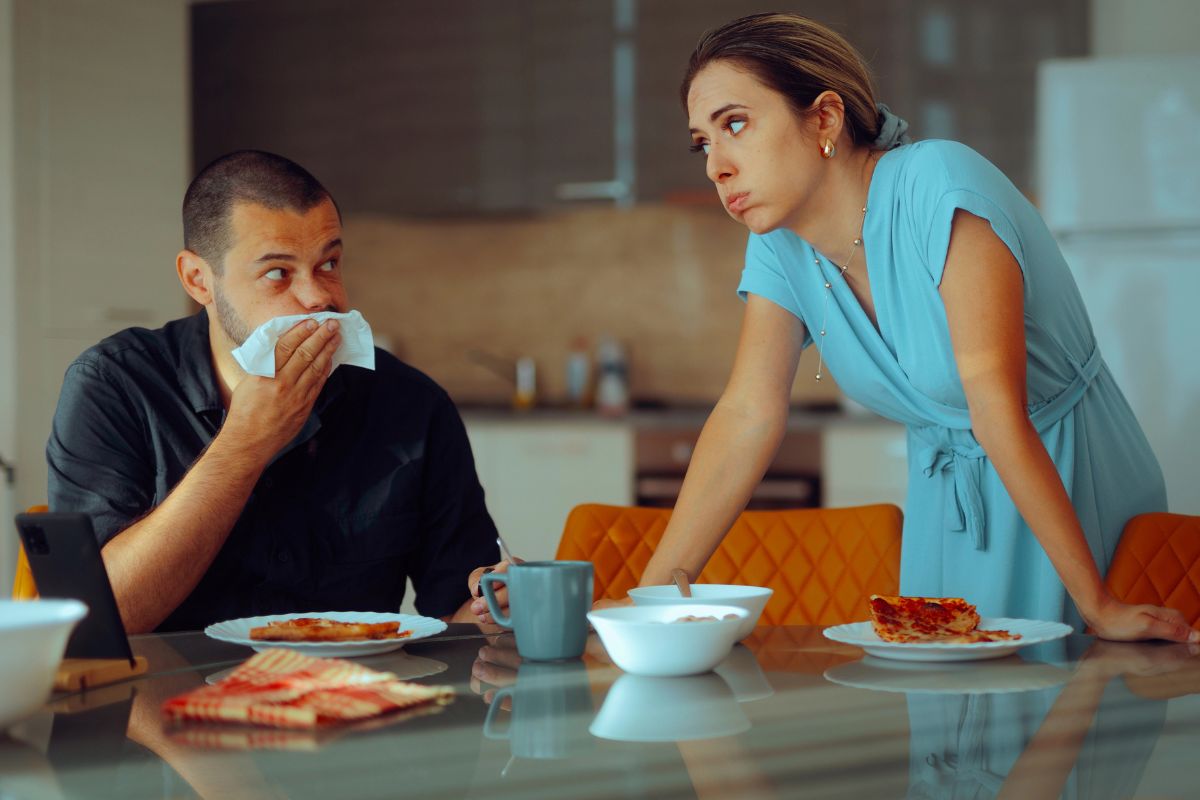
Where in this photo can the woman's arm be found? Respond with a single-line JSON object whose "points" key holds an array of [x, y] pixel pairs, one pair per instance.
{"points": [[982, 291], [737, 444]]}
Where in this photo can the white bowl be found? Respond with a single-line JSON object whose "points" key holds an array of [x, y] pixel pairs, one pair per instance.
{"points": [[34, 634], [646, 640], [641, 709], [752, 598]]}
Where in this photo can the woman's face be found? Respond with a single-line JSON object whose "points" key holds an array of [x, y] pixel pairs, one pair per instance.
{"points": [[765, 163]]}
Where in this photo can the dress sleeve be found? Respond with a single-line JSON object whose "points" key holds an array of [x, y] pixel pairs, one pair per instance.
{"points": [[764, 276], [947, 176], [96, 454], [457, 534]]}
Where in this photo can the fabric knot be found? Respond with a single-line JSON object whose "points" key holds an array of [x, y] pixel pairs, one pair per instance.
{"points": [[893, 130], [966, 470]]}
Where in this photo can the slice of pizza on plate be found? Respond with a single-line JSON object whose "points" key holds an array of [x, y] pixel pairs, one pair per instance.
{"points": [[930, 619], [319, 629]]}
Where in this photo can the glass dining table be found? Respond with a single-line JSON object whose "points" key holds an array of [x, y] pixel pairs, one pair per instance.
{"points": [[788, 714]]}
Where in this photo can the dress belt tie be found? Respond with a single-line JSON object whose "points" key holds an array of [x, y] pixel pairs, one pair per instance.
{"points": [[963, 460]]}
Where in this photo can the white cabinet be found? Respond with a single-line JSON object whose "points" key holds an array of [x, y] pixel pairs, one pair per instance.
{"points": [[864, 462], [535, 471]]}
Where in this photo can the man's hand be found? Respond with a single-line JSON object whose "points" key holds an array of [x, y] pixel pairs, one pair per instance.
{"points": [[479, 606], [267, 413], [495, 667]]}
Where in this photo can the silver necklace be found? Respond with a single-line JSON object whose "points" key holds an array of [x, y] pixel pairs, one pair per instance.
{"points": [[829, 289]]}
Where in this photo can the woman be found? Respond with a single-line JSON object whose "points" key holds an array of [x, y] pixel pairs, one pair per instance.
{"points": [[938, 298]]}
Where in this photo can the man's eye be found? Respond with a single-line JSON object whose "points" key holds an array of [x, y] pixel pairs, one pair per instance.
{"points": [[736, 125], [328, 266], [275, 274]]}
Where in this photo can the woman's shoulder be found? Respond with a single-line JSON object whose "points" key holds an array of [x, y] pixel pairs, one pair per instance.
{"points": [[936, 166]]}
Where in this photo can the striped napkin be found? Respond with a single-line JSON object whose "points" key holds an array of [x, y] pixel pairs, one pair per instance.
{"points": [[284, 689]]}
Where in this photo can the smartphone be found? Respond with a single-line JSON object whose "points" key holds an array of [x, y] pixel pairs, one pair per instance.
{"points": [[65, 560]]}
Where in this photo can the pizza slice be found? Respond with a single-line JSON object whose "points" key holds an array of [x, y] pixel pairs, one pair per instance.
{"points": [[319, 629], [950, 620]]}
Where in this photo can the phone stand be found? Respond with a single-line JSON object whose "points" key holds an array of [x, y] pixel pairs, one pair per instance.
{"points": [[80, 674]]}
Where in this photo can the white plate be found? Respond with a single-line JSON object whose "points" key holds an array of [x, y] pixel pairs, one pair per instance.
{"points": [[237, 631], [1032, 631], [1001, 676]]}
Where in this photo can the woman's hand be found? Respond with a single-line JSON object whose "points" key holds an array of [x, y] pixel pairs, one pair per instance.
{"points": [[606, 603], [1121, 622], [1108, 660]]}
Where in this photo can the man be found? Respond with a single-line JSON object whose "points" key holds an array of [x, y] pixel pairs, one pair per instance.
{"points": [[216, 494]]}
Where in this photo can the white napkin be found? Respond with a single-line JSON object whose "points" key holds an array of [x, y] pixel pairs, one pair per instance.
{"points": [[257, 353]]}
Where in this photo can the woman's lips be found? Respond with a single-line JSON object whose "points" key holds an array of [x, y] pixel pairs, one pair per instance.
{"points": [[737, 201]]}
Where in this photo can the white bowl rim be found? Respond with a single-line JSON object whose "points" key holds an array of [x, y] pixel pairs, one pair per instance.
{"points": [[42, 612], [653, 589], [621, 614]]}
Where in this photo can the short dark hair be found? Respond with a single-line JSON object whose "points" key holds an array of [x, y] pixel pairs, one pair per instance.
{"points": [[248, 176]]}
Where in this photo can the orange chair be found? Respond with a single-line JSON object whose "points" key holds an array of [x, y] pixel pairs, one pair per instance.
{"points": [[23, 586], [822, 563], [1158, 561]]}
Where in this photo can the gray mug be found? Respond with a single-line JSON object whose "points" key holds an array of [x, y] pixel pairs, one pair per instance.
{"points": [[551, 710], [548, 604]]}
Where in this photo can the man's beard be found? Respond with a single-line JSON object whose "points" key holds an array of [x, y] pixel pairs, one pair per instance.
{"points": [[230, 321]]}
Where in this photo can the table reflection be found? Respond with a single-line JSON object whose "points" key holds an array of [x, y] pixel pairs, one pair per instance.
{"points": [[788, 714]]}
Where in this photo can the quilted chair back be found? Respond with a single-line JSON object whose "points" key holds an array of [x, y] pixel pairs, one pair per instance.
{"points": [[822, 562], [23, 586], [1158, 561]]}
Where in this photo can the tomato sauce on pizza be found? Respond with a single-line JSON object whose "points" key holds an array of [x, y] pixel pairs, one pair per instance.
{"points": [[950, 620]]}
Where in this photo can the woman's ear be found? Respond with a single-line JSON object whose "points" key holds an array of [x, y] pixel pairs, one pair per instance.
{"points": [[829, 114], [195, 275]]}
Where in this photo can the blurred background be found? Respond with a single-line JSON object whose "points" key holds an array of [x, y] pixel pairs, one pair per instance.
{"points": [[524, 223]]}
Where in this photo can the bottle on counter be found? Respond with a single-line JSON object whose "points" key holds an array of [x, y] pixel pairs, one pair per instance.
{"points": [[525, 390], [579, 374], [612, 385]]}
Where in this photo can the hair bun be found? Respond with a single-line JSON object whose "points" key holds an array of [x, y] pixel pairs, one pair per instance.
{"points": [[893, 130]]}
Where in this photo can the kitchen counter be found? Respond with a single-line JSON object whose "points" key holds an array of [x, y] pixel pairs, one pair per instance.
{"points": [[667, 417]]}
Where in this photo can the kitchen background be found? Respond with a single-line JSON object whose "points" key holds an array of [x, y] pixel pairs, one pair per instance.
{"points": [[516, 184]]}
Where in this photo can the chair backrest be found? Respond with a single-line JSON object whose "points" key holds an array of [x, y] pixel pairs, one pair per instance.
{"points": [[822, 562], [1158, 561], [23, 586]]}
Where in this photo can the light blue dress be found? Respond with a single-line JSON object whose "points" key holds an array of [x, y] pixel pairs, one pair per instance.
{"points": [[963, 535]]}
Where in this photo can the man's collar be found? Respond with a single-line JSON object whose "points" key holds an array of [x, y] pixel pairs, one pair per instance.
{"points": [[196, 374]]}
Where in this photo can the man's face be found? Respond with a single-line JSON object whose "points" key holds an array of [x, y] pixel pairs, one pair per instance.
{"points": [[280, 262]]}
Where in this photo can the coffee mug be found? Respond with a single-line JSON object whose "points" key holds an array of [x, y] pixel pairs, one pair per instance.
{"points": [[551, 709], [548, 604]]}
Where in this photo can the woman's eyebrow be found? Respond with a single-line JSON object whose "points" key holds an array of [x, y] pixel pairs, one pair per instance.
{"points": [[713, 116]]}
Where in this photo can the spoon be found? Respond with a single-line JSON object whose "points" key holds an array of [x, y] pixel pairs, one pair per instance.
{"points": [[508, 556], [681, 580]]}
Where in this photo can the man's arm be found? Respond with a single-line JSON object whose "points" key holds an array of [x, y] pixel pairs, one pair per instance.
{"points": [[155, 563], [458, 535]]}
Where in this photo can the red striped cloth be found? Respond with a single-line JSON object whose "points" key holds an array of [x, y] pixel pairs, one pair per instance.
{"points": [[283, 689]]}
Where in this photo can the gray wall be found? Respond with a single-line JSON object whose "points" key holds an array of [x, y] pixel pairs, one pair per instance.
{"points": [[1145, 27], [97, 140]]}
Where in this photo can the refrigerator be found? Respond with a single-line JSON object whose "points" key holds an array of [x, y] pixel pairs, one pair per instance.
{"points": [[1118, 183]]}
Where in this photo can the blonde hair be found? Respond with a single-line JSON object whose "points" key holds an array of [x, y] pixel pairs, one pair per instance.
{"points": [[798, 58]]}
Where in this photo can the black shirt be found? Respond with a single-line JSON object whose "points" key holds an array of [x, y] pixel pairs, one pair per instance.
{"points": [[380, 484]]}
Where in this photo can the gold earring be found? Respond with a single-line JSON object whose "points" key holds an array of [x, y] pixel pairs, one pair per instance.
{"points": [[829, 149]]}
